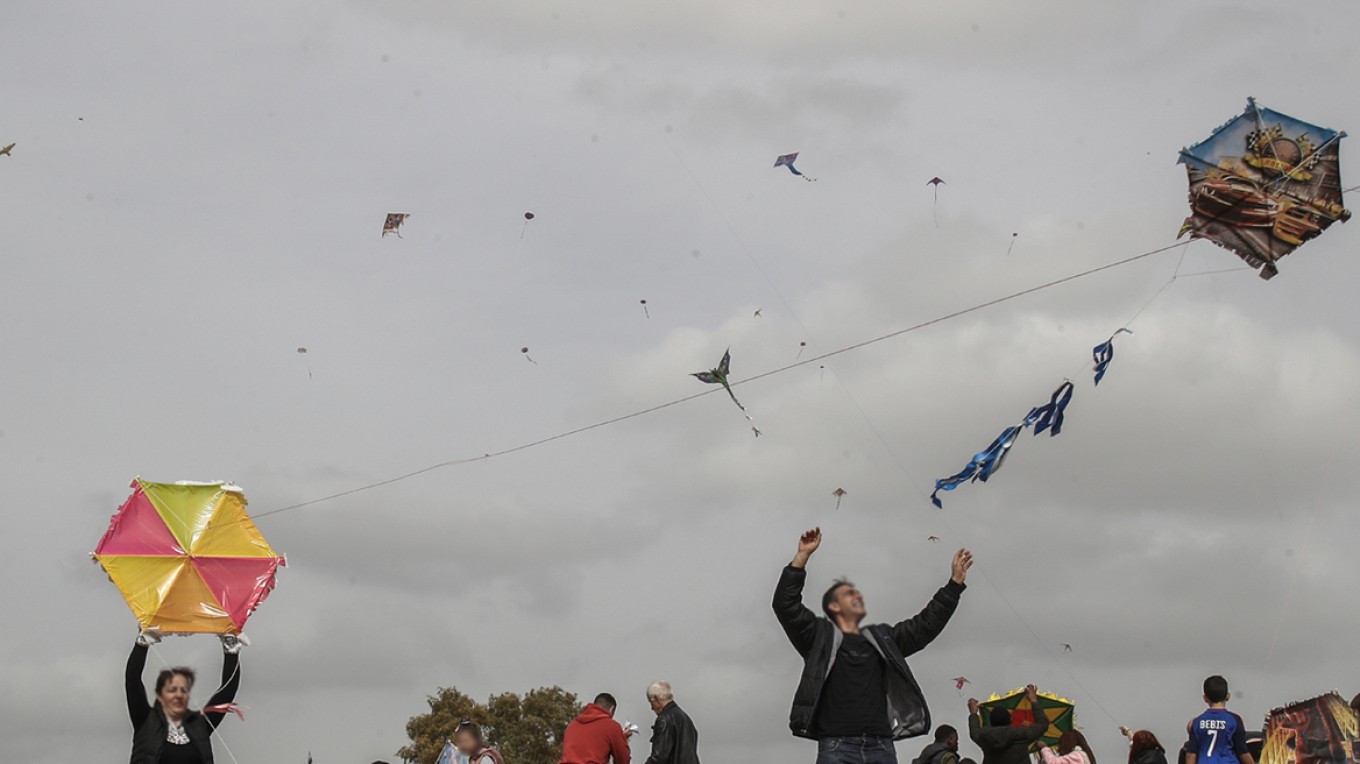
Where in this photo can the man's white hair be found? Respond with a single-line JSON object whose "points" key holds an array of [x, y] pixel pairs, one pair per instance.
{"points": [[660, 690]]}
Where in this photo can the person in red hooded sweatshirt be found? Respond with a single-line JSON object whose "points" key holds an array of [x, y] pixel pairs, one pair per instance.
{"points": [[594, 737]]}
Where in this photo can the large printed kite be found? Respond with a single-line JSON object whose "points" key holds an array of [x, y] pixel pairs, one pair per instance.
{"points": [[1060, 712], [187, 557], [1263, 184], [1323, 730]]}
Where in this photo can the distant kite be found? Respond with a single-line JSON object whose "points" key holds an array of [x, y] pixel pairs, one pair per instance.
{"points": [[718, 376], [1012, 246], [935, 181], [527, 217], [787, 161], [838, 493], [801, 347], [1067, 648], [645, 312], [933, 539], [393, 223], [960, 681], [525, 352], [303, 352], [756, 314], [7, 149]]}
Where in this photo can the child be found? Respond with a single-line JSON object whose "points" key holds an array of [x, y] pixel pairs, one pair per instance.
{"points": [[1218, 735]]}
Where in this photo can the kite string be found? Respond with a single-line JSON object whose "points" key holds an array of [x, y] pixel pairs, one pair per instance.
{"points": [[661, 406]]}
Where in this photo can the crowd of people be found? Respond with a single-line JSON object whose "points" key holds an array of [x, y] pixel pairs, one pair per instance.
{"points": [[856, 697]]}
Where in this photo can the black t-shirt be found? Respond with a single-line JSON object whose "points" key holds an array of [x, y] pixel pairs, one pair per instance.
{"points": [[855, 697]]}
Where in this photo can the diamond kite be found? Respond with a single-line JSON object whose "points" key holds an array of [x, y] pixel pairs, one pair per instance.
{"points": [[787, 160], [1058, 711], [187, 557], [1263, 184], [393, 222]]}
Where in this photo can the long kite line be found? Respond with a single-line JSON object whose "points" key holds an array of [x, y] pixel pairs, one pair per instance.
{"points": [[688, 398]]}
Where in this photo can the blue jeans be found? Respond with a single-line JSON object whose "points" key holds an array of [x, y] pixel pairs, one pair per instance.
{"points": [[856, 750]]}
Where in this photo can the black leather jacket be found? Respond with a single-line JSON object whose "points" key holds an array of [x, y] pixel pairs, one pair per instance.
{"points": [[817, 640], [149, 727], [675, 740]]}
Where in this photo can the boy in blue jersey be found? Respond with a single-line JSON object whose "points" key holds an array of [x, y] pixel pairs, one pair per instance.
{"points": [[1218, 735]]}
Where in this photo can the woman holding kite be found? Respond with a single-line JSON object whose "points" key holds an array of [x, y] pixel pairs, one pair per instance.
{"points": [[168, 731]]}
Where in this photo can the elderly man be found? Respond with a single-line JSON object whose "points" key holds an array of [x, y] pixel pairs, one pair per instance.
{"points": [[674, 738], [857, 695]]}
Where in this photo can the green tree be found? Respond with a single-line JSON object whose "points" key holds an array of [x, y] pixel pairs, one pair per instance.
{"points": [[527, 730]]}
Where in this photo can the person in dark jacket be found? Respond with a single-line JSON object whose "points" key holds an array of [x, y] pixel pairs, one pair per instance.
{"points": [[168, 731], [1144, 748], [857, 695], [1000, 742], [675, 740], [945, 749], [593, 737]]}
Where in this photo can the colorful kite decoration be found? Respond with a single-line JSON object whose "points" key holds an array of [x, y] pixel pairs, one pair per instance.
{"points": [[1103, 353], [981, 467], [1263, 184], [985, 463], [839, 493], [1059, 712], [187, 557], [1050, 415], [1323, 730], [393, 223], [787, 161]]}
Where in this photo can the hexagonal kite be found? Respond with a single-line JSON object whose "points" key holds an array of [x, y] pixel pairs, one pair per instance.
{"points": [[1263, 184], [188, 558]]}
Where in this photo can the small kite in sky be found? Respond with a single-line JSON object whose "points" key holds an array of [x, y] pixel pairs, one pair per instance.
{"points": [[1103, 353], [1263, 184], [935, 181], [525, 351], [393, 223], [303, 352], [718, 376], [838, 493], [801, 347], [645, 312], [7, 149], [933, 539], [787, 161], [960, 681], [1014, 236], [757, 313], [527, 217], [1067, 648]]}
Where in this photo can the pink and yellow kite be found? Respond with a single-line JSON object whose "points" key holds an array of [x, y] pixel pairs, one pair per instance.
{"points": [[188, 558]]}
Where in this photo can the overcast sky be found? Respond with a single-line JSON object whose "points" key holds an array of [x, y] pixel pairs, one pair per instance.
{"points": [[198, 189]]}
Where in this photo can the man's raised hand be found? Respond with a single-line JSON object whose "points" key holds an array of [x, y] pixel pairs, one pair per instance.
{"points": [[807, 544], [963, 560]]}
